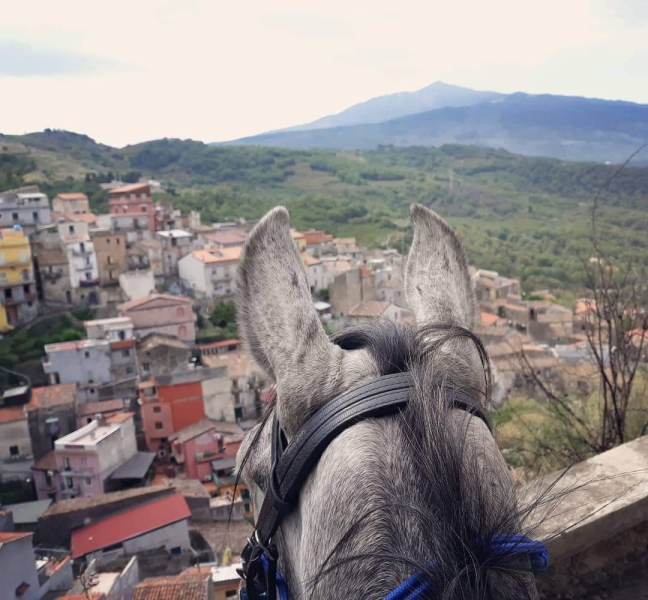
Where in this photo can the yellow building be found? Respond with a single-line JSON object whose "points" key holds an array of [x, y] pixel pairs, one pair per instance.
{"points": [[18, 301], [300, 240]]}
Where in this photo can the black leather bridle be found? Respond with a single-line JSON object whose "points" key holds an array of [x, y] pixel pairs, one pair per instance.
{"points": [[292, 463]]}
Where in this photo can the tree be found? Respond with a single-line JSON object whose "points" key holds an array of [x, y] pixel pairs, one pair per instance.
{"points": [[224, 314], [615, 322]]}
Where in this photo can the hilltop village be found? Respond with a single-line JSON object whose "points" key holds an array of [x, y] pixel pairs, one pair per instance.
{"points": [[118, 438]]}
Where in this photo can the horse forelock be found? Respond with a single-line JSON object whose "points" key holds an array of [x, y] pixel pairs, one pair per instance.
{"points": [[391, 494]]}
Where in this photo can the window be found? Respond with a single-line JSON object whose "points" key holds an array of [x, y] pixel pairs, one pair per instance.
{"points": [[3, 278], [69, 482], [146, 367], [107, 240], [24, 274], [129, 370], [182, 331], [86, 354], [158, 425], [14, 451], [117, 241], [179, 312], [8, 294], [110, 260], [92, 391], [26, 289], [14, 216], [82, 247], [122, 335], [67, 464], [126, 352], [88, 481], [143, 208], [71, 228], [111, 275], [88, 276], [143, 196], [157, 409]]}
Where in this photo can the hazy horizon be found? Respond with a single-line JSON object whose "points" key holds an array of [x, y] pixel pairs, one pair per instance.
{"points": [[155, 69]]}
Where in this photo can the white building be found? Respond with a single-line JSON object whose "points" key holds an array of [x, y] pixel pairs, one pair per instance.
{"points": [[316, 273], [25, 206], [176, 243], [80, 251], [211, 273], [134, 225]]}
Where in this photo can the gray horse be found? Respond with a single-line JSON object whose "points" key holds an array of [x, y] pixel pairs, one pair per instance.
{"points": [[389, 495]]}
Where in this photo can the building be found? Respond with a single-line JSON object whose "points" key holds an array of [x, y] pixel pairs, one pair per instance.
{"points": [[211, 273], [391, 290], [25, 206], [372, 309], [51, 414], [136, 284], [186, 586], [110, 248], [85, 460], [318, 243], [176, 243], [174, 401], [134, 202], [316, 273], [159, 354], [493, 290], [18, 299], [15, 444], [85, 362], [26, 574], [195, 447], [71, 204], [162, 313], [300, 240], [350, 288], [347, 246], [162, 522], [222, 240], [119, 331], [53, 272], [82, 261]]}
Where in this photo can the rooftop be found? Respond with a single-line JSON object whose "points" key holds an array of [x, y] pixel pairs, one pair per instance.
{"points": [[226, 238], [489, 319], [11, 536], [223, 344], [154, 340], [140, 303], [135, 467], [218, 255], [369, 308], [127, 189], [47, 462], [72, 196], [182, 587], [102, 406], [311, 261], [26, 513], [129, 524], [89, 435], [192, 431], [52, 395], [77, 345], [117, 322], [75, 504], [175, 233]]}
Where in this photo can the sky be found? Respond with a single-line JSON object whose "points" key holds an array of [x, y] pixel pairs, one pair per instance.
{"points": [[133, 70]]}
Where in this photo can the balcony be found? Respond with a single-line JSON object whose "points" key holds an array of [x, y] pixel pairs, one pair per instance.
{"points": [[54, 276], [82, 252], [88, 282], [83, 267]]}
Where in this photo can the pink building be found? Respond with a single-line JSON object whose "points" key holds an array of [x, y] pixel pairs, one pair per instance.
{"points": [[162, 313], [84, 463], [133, 200], [204, 443]]}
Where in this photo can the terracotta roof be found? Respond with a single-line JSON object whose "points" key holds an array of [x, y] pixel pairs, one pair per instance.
{"points": [[223, 344], [74, 504], [311, 261], [154, 340], [140, 302], [11, 536], [9, 414], [72, 196], [225, 238], [120, 417], [369, 308], [102, 406], [488, 319], [74, 218], [317, 237], [192, 431], [296, 235], [52, 395], [182, 587], [46, 463], [218, 255], [125, 189], [129, 524]]}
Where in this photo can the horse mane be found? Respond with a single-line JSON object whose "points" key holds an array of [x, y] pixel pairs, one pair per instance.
{"points": [[451, 514]]}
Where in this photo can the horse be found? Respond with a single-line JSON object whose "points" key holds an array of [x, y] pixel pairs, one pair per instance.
{"points": [[416, 499]]}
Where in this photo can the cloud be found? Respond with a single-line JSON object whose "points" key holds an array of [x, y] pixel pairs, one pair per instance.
{"points": [[18, 59]]}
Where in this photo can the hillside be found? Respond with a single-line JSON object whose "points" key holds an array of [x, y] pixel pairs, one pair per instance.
{"points": [[392, 106], [527, 217], [563, 127]]}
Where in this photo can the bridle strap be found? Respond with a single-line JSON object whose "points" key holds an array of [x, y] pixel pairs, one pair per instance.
{"points": [[293, 462]]}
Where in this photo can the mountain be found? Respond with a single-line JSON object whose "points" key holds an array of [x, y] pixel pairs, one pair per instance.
{"points": [[392, 106], [565, 127]]}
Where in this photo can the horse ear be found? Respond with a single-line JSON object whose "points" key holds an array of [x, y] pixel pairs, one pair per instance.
{"points": [[277, 321], [437, 282]]}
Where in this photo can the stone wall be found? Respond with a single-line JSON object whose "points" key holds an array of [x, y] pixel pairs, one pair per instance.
{"points": [[596, 528]]}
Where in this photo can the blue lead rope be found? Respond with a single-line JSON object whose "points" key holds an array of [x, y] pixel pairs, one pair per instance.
{"points": [[418, 585], [500, 545]]}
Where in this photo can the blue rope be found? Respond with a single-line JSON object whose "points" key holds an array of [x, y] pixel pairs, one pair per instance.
{"points": [[500, 545], [417, 585]]}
